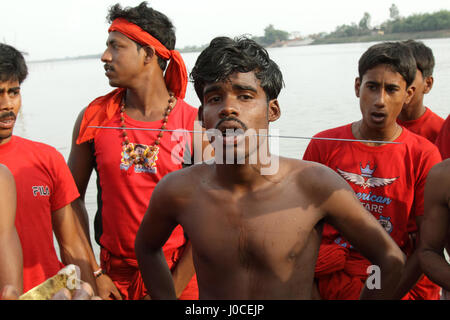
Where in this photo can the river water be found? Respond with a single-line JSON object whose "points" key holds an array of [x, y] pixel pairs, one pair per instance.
{"points": [[318, 95]]}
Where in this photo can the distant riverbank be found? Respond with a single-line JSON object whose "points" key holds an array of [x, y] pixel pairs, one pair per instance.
{"points": [[369, 38], [387, 37]]}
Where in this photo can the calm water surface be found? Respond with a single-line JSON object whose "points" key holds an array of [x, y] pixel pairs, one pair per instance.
{"points": [[318, 95]]}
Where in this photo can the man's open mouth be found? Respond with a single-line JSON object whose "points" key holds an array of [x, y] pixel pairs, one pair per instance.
{"points": [[7, 122], [378, 116]]}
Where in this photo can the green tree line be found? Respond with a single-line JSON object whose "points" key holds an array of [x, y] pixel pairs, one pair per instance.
{"points": [[396, 24]]}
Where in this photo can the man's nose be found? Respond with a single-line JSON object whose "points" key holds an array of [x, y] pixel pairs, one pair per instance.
{"points": [[380, 98], [229, 107], [5, 102], [106, 56]]}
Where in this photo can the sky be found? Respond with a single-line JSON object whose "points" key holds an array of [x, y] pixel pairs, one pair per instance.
{"points": [[66, 28]]}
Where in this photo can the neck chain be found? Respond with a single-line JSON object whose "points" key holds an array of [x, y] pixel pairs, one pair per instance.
{"points": [[388, 140], [126, 140]]}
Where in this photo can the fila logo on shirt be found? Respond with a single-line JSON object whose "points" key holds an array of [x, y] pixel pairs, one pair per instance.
{"points": [[42, 191]]}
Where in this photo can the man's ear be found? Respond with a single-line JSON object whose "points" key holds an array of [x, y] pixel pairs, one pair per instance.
{"points": [[274, 111], [149, 53], [410, 93], [429, 81], [357, 86], [200, 116]]}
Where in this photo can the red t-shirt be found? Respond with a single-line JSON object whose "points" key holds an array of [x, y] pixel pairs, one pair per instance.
{"points": [[125, 187], [44, 184], [428, 125], [443, 139], [389, 180]]}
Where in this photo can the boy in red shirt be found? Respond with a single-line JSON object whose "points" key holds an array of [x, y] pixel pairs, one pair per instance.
{"points": [[388, 179], [45, 188], [415, 116]]}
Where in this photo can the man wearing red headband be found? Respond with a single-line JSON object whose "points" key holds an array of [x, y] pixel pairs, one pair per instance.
{"points": [[129, 163]]}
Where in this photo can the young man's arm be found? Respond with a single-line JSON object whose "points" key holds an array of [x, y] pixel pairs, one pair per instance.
{"points": [[413, 272], [156, 227], [184, 270], [11, 262], [81, 163], [73, 249], [363, 231], [436, 225]]}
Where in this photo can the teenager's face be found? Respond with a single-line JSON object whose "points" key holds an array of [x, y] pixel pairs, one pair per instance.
{"points": [[382, 93], [123, 61], [10, 102], [423, 85], [237, 103]]}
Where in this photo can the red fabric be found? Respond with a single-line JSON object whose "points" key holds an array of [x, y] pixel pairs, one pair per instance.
{"points": [[125, 188], [44, 184], [339, 275], [427, 126], [443, 139], [98, 113], [403, 167], [176, 74], [128, 280], [425, 289]]}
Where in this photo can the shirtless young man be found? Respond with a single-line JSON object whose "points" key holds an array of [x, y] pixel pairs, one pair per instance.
{"points": [[253, 236], [435, 229]]}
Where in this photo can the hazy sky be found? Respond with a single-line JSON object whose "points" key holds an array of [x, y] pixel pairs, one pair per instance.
{"points": [[61, 28]]}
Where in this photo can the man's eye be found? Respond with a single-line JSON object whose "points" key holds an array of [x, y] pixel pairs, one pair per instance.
{"points": [[391, 90], [213, 99]]}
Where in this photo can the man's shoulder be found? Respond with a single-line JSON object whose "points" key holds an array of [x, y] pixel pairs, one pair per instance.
{"points": [[105, 97], [434, 116], [337, 132], [313, 175], [38, 146], [185, 108], [442, 168], [184, 178], [418, 143]]}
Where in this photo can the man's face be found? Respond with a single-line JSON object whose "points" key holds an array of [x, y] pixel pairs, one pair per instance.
{"points": [[423, 85], [10, 102], [123, 61], [235, 106], [382, 93]]}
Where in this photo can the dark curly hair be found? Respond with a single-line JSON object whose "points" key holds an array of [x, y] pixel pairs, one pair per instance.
{"points": [[225, 56], [396, 55], [154, 22], [12, 64]]}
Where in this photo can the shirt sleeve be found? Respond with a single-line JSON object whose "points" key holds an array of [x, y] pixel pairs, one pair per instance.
{"points": [[64, 188], [312, 152]]}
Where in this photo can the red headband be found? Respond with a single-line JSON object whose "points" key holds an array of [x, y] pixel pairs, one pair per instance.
{"points": [[176, 74]]}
